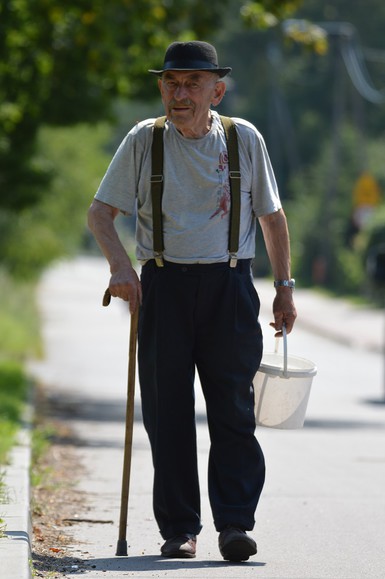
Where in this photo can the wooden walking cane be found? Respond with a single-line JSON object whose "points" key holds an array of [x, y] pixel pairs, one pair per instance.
{"points": [[121, 548]]}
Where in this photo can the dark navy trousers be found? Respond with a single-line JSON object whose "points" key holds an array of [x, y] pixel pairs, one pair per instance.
{"points": [[204, 318]]}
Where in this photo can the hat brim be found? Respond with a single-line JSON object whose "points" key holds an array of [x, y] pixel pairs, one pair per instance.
{"points": [[220, 71]]}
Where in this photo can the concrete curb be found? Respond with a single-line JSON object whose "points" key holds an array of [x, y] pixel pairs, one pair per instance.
{"points": [[15, 547]]}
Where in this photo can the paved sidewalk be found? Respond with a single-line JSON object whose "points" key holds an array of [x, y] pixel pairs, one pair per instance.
{"points": [[86, 349], [338, 319]]}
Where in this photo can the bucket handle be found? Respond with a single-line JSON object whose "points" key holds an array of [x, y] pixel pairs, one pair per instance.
{"points": [[284, 335]]}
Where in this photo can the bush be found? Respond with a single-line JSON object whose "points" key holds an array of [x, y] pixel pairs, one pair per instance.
{"points": [[19, 339], [31, 239], [19, 321], [325, 250], [371, 241]]}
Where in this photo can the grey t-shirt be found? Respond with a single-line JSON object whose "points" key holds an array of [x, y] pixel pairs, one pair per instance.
{"points": [[196, 193]]}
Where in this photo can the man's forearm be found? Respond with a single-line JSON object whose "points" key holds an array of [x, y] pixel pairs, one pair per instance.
{"points": [[276, 237], [124, 282], [101, 222]]}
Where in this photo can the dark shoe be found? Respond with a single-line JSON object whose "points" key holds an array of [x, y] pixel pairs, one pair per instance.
{"points": [[236, 545], [182, 546]]}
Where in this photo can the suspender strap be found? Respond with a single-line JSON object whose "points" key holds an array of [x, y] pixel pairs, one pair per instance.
{"points": [[157, 189], [235, 187]]}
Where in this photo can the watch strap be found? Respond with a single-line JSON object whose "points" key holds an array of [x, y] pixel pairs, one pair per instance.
{"points": [[285, 283]]}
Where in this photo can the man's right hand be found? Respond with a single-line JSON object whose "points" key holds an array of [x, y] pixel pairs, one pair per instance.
{"points": [[125, 284]]}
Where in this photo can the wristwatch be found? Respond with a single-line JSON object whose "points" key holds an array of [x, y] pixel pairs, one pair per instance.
{"points": [[285, 283]]}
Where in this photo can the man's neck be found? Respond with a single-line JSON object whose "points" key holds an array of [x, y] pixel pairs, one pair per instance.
{"points": [[196, 132]]}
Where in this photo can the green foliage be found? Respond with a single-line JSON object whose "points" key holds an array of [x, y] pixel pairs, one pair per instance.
{"points": [[42, 436], [326, 250], [2, 522], [290, 93], [320, 213], [308, 34], [13, 390], [315, 89], [320, 132], [64, 61], [268, 13], [19, 326], [34, 237], [374, 232], [370, 242], [19, 338]]}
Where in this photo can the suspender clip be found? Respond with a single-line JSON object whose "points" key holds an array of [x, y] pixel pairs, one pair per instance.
{"points": [[156, 178], [233, 259], [159, 259]]}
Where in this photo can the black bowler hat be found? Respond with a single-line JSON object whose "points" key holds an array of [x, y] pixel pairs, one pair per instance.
{"points": [[194, 55]]}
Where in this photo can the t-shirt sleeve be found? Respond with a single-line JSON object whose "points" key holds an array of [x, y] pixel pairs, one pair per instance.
{"points": [[265, 193], [264, 189], [119, 185]]}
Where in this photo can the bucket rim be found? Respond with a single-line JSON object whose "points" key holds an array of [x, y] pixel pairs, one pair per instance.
{"points": [[275, 370]]}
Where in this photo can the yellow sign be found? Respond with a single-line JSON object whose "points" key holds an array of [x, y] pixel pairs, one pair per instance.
{"points": [[366, 191]]}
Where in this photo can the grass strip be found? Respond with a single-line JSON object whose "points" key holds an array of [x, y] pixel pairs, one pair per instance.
{"points": [[13, 394], [19, 339]]}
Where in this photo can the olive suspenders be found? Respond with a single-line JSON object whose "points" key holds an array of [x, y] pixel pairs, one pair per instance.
{"points": [[157, 188], [235, 186]]}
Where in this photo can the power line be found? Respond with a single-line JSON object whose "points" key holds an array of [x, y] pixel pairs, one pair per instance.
{"points": [[354, 56], [354, 60]]}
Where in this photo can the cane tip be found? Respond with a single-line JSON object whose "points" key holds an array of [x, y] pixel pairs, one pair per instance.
{"points": [[121, 548]]}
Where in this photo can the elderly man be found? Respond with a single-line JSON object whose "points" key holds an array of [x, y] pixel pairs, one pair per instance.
{"points": [[195, 240]]}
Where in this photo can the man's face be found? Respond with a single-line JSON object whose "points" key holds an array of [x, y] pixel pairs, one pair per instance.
{"points": [[187, 97]]}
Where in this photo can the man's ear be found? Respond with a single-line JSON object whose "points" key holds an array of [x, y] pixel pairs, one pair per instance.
{"points": [[220, 89]]}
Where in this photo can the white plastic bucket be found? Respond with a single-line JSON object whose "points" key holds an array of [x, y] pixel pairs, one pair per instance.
{"points": [[282, 389]]}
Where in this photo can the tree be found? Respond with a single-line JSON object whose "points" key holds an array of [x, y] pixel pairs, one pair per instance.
{"points": [[64, 61]]}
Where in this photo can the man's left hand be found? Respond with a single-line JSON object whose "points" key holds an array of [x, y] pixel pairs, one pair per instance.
{"points": [[284, 311]]}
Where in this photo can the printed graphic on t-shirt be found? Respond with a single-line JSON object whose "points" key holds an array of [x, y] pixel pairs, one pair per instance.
{"points": [[223, 189]]}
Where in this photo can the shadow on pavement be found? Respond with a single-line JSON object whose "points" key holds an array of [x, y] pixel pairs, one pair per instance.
{"points": [[144, 563], [70, 407], [343, 424], [83, 408], [95, 409], [375, 402], [156, 563]]}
